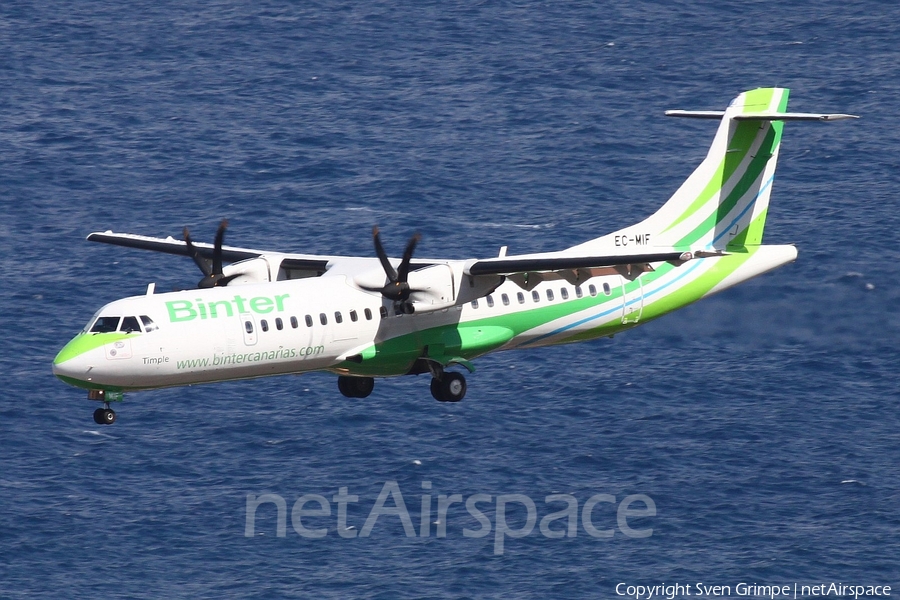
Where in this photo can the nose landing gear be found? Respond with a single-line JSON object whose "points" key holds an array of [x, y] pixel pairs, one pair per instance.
{"points": [[105, 415]]}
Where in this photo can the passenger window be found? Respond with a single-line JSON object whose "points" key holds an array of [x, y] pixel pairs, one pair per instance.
{"points": [[353, 316], [337, 317], [564, 293], [105, 324], [606, 289], [474, 303], [383, 312], [521, 297], [279, 325], [368, 313], [129, 325], [550, 295], [323, 319], [248, 326], [149, 325], [308, 321], [490, 301], [294, 323], [592, 289], [264, 325], [535, 296], [578, 292], [505, 299]]}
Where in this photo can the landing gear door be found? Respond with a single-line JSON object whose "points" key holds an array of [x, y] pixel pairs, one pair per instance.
{"points": [[248, 325]]}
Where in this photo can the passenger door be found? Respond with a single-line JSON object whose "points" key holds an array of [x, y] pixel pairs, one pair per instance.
{"points": [[632, 299]]}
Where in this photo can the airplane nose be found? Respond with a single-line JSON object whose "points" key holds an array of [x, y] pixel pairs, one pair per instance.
{"points": [[74, 362]]}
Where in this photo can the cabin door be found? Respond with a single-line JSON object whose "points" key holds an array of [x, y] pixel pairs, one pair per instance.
{"points": [[632, 299]]}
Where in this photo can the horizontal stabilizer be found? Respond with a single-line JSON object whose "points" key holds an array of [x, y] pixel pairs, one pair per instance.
{"points": [[769, 116], [696, 114], [760, 116]]}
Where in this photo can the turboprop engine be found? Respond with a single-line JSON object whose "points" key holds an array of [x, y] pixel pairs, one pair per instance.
{"points": [[428, 288]]}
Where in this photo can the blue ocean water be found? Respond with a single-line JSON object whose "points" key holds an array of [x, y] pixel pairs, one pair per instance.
{"points": [[763, 423]]}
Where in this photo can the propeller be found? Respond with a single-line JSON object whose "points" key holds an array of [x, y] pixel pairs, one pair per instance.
{"points": [[212, 270], [397, 289]]}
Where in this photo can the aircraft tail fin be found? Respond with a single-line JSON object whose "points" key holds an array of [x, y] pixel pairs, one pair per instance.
{"points": [[724, 203]]}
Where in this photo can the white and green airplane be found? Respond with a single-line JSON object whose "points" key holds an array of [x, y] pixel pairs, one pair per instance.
{"points": [[272, 313]]}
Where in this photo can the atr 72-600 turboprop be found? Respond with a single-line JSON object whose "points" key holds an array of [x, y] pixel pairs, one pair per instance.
{"points": [[271, 313]]}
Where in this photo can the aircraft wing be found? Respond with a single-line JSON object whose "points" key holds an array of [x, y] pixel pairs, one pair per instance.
{"points": [[534, 267], [553, 262], [170, 245]]}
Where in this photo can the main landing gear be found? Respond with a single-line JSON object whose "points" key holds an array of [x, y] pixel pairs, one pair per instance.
{"points": [[448, 387], [445, 387], [356, 387]]}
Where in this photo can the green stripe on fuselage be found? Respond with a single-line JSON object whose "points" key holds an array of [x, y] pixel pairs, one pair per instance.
{"points": [[477, 337], [90, 385], [397, 355]]}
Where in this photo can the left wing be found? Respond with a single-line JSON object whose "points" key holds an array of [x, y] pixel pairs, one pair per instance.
{"points": [[169, 245]]}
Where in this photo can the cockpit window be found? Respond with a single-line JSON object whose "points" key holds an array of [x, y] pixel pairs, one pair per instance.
{"points": [[130, 325], [105, 324], [149, 325]]}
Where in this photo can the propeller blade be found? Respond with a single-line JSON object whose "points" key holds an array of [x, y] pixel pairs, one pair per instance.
{"points": [[382, 256], [195, 254], [212, 270], [397, 289], [403, 270], [217, 249]]}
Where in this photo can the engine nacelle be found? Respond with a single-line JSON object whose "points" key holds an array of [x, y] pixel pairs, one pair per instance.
{"points": [[435, 288], [438, 287], [252, 270]]}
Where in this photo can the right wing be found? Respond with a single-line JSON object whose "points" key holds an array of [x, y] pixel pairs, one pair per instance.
{"points": [[552, 262]]}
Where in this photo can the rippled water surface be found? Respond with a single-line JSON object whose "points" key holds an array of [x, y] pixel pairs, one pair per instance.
{"points": [[763, 423]]}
